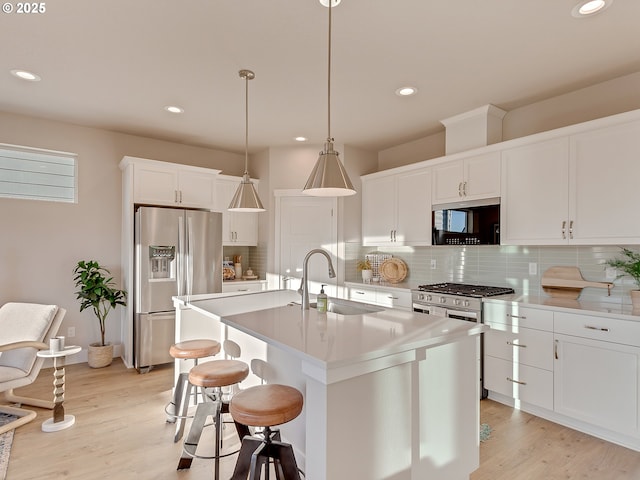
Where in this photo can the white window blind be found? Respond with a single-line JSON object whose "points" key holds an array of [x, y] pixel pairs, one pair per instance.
{"points": [[37, 174]]}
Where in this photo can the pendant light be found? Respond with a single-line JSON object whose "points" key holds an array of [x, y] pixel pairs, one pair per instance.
{"points": [[246, 198], [329, 177]]}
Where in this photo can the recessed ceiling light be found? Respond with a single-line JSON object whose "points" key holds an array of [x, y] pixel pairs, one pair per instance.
{"points": [[300, 139], [334, 3], [173, 109], [25, 75], [589, 7], [406, 91]]}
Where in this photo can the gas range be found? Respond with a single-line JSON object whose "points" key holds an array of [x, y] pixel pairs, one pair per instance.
{"points": [[458, 300], [464, 289]]}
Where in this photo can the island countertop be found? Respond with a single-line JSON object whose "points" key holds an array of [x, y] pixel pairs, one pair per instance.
{"points": [[330, 341]]}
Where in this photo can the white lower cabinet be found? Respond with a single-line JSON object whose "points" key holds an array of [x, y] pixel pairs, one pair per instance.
{"points": [[518, 360], [597, 371], [520, 382], [576, 369], [597, 382], [380, 295]]}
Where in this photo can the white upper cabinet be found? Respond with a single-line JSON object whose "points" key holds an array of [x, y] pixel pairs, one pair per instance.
{"points": [[604, 168], [163, 183], [472, 178], [396, 208], [238, 228], [573, 189], [535, 195]]}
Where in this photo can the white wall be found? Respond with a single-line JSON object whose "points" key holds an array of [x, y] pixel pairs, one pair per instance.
{"points": [[41, 242], [600, 100]]}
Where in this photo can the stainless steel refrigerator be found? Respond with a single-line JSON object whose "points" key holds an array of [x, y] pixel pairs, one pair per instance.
{"points": [[177, 252]]}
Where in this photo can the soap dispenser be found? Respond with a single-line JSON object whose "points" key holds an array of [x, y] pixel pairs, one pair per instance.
{"points": [[321, 300]]}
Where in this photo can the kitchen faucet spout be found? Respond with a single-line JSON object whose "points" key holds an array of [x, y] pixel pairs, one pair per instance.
{"points": [[304, 284]]}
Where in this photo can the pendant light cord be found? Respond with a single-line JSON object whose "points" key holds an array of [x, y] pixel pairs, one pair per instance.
{"points": [[246, 125], [329, 80]]}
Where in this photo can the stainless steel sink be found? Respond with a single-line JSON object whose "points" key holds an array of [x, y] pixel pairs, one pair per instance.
{"points": [[348, 307]]}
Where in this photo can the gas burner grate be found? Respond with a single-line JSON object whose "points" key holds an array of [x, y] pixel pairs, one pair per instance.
{"points": [[466, 290]]}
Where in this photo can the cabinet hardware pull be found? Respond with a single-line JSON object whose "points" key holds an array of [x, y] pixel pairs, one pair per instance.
{"points": [[516, 316], [394, 235], [516, 381], [601, 329], [460, 189], [180, 196], [392, 297], [359, 293], [555, 350], [571, 229], [564, 225], [391, 235], [516, 344], [175, 196], [464, 189]]}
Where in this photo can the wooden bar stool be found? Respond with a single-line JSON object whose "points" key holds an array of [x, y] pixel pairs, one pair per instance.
{"points": [[214, 374], [187, 350], [266, 406]]}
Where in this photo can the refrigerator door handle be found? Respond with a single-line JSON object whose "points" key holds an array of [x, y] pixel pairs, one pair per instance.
{"points": [[189, 255], [180, 256]]}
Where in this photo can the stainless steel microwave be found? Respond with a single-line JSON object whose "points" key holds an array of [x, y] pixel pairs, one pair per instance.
{"points": [[467, 224]]}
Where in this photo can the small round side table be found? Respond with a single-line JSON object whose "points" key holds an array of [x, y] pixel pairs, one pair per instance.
{"points": [[60, 421]]}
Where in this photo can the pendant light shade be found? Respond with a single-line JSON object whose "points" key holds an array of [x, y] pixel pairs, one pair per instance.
{"points": [[329, 177], [246, 198]]}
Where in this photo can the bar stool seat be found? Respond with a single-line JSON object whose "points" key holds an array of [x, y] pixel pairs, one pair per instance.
{"points": [[187, 350], [214, 374], [193, 349], [266, 406]]}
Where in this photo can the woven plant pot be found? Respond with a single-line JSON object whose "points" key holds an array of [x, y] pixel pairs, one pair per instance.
{"points": [[100, 356]]}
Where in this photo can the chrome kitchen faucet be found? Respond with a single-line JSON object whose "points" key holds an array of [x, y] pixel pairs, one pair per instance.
{"points": [[304, 284]]}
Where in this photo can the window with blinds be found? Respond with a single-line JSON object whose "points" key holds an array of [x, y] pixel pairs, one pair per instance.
{"points": [[37, 174]]}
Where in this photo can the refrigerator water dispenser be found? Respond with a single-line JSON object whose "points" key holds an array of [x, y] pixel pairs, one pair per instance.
{"points": [[162, 261]]}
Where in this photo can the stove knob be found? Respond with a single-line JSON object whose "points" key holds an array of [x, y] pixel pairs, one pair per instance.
{"points": [[421, 296], [466, 303], [443, 300], [456, 301], [429, 298]]}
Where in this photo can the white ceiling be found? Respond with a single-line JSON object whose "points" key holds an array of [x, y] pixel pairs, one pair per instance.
{"points": [[114, 64]]}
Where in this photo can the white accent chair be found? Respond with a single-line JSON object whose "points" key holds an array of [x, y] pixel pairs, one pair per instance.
{"points": [[24, 329]]}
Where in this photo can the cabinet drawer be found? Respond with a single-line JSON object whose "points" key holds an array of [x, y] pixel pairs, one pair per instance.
{"points": [[367, 295], [517, 316], [394, 298], [526, 346], [598, 328], [521, 382], [242, 287]]}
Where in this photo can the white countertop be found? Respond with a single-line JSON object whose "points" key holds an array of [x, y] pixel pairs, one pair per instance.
{"points": [[603, 309], [330, 340]]}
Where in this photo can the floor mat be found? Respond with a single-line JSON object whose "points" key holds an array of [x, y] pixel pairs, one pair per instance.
{"points": [[6, 439], [485, 432]]}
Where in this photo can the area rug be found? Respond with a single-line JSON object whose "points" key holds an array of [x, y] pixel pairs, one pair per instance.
{"points": [[6, 439], [485, 432]]}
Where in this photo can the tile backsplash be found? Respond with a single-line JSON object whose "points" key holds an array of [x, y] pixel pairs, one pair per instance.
{"points": [[507, 266]]}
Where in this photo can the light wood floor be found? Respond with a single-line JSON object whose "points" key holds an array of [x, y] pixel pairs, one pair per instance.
{"points": [[121, 433]]}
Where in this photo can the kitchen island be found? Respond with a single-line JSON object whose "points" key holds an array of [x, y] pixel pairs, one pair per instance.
{"points": [[389, 394]]}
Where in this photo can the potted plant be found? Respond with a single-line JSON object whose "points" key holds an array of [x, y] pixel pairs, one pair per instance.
{"points": [[364, 266], [629, 265], [97, 291]]}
